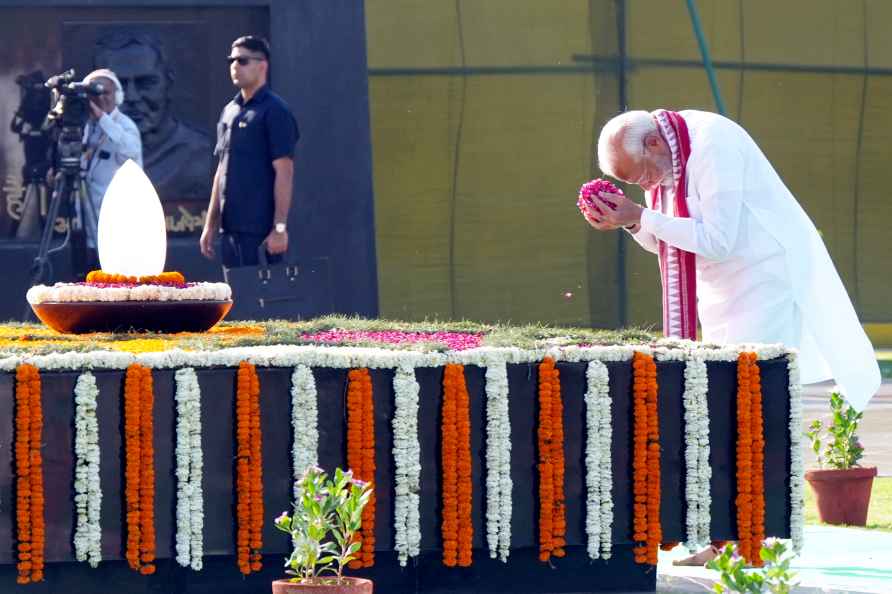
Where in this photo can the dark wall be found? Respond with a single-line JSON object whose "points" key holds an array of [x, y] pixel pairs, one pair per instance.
{"points": [[318, 66], [322, 72]]}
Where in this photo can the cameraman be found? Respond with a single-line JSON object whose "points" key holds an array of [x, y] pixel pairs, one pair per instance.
{"points": [[110, 139]]}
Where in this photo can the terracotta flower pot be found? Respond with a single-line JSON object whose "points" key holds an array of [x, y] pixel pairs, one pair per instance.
{"points": [[843, 496], [348, 585]]}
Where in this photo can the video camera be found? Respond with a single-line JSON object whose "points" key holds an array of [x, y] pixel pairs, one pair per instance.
{"points": [[69, 115], [71, 98]]}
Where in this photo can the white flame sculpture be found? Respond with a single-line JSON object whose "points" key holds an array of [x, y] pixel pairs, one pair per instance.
{"points": [[132, 234]]}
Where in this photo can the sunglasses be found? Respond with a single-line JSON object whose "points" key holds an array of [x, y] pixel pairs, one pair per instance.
{"points": [[242, 60]]}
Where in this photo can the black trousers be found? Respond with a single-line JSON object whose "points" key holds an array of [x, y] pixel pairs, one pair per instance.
{"points": [[240, 249]]}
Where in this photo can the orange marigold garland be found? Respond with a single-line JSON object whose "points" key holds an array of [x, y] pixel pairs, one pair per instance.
{"points": [[647, 530], [30, 525], [98, 277], [559, 518], [139, 469], [354, 436], [132, 459], [758, 481], [463, 459], [457, 529], [449, 437], [23, 472], [147, 475], [248, 471], [550, 437], [750, 498], [654, 527], [744, 457], [242, 473], [256, 532], [546, 468], [361, 455]]}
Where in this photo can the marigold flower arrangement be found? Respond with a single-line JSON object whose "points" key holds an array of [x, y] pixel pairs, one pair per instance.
{"points": [[104, 287], [139, 469], [457, 529], [30, 525], [249, 471], [550, 434], [646, 460], [98, 277], [361, 455], [750, 498]]}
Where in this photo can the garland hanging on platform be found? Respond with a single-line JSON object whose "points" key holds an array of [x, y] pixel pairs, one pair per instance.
{"points": [[249, 471], [361, 455], [498, 497], [457, 529], [139, 471], [407, 465], [189, 470], [498, 461], [797, 463], [598, 462], [304, 422], [758, 482], [698, 471], [750, 498], [550, 435], [30, 525], [87, 487], [646, 460]]}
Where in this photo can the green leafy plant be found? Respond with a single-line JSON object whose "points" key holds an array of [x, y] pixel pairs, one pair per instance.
{"points": [[327, 515], [774, 578], [838, 447]]}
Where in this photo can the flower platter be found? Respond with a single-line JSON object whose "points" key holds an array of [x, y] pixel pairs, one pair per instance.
{"points": [[132, 316]]}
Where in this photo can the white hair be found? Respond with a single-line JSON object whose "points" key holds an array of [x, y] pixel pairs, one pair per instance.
{"points": [[106, 73], [631, 127]]}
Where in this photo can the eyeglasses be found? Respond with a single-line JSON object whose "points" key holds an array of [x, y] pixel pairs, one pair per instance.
{"points": [[242, 60]]}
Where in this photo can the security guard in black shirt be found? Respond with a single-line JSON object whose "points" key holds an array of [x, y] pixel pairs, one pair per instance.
{"points": [[256, 136]]}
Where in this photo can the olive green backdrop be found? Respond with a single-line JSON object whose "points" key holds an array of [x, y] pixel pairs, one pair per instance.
{"points": [[485, 116]]}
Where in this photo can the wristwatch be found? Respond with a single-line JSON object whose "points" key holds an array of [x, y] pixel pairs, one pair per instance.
{"points": [[280, 227]]}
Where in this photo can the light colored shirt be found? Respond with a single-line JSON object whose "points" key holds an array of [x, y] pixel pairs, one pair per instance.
{"points": [[110, 142], [763, 272]]}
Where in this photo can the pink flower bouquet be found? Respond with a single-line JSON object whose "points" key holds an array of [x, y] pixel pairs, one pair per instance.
{"points": [[588, 206]]}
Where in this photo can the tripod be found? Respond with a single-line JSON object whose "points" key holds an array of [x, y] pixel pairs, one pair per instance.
{"points": [[68, 192], [34, 201]]}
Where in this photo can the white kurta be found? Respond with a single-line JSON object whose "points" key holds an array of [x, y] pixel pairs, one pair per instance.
{"points": [[111, 141], [763, 272]]}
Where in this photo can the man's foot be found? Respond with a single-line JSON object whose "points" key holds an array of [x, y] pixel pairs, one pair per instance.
{"points": [[698, 559]]}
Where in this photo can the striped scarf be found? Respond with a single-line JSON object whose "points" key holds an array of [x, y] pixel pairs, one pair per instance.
{"points": [[677, 267]]}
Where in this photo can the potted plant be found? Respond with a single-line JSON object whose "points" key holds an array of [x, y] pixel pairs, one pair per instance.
{"points": [[327, 515], [842, 490], [775, 578]]}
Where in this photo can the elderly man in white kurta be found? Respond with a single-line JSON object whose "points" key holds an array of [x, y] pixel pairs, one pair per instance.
{"points": [[734, 245]]}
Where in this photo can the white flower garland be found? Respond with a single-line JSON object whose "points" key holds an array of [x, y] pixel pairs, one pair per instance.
{"points": [[498, 461], [797, 464], [406, 449], [407, 465], [74, 293], [598, 462], [87, 488], [699, 473], [189, 468], [340, 357], [304, 422]]}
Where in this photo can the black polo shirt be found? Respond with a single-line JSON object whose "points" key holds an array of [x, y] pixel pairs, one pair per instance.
{"points": [[250, 136]]}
